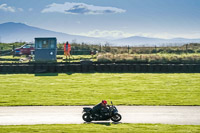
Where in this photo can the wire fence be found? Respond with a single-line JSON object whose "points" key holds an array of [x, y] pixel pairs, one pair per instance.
{"points": [[6, 52]]}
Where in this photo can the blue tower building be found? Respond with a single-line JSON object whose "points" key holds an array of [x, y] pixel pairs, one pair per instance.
{"points": [[45, 49]]}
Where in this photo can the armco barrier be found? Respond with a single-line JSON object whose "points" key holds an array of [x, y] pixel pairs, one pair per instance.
{"points": [[96, 67]]}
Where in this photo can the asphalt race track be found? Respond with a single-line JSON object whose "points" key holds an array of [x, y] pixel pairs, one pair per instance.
{"points": [[29, 115]]}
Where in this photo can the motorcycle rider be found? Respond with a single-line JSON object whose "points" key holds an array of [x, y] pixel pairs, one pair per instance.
{"points": [[96, 110]]}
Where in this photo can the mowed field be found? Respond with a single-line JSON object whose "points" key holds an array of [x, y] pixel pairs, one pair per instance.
{"points": [[91, 88], [102, 127]]}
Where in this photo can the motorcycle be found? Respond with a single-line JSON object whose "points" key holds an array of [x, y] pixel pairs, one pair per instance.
{"points": [[106, 114]]}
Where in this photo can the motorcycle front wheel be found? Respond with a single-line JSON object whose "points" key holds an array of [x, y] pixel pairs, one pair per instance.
{"points": [[117, 117], [86, 117]]}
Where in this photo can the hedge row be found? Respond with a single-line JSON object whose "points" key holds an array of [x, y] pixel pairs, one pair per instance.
{"points": [[79, 68]]}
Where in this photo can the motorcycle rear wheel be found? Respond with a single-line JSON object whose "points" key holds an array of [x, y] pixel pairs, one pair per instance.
{"points": [[117, 117], [86, 117]]}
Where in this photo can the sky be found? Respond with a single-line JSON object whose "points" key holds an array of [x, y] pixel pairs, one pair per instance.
{"points": [[108, 18]]}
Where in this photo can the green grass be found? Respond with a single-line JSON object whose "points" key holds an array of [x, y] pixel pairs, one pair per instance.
{"points": [[60, 58], [129, 58], [9, 59], [103, 128], [76, 58], [150, 58], [89, 89]]}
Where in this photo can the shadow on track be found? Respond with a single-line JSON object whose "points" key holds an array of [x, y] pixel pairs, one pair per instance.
{"points": [[103, 123], [46, 74]]}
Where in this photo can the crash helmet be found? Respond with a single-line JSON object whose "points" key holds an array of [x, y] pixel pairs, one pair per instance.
{"points": [[104, 102]]}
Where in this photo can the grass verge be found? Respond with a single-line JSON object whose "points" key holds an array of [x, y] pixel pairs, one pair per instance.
{"points": [[103, 128], [150, 58], [89, 89]]}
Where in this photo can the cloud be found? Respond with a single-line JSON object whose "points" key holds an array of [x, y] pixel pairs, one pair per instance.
{"points": [[30, 9], [20, 9], [117, 34], [7, 8], [114, 34], [165, 35], [80, 8]]}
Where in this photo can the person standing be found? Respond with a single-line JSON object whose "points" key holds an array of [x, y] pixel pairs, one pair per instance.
{"points": [[67, 49]]}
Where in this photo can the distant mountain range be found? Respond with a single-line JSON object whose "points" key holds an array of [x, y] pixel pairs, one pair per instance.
{"points": [[146, 41], [13, 32]]}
